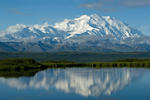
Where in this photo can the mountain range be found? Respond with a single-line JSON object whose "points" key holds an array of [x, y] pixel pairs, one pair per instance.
{"points": [[92, 33]]}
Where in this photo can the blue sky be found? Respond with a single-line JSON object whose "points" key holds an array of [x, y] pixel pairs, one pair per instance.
{"points": [[134, 12]]}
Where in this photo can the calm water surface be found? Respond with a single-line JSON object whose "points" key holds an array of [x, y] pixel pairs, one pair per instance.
{"points": [[79, 84]]}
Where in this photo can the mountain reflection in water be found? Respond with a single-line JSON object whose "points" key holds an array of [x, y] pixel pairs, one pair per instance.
{"points": [[82, 81]]}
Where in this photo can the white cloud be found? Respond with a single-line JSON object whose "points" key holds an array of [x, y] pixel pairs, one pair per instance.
{"points": [[18, 12], [115, 5]]}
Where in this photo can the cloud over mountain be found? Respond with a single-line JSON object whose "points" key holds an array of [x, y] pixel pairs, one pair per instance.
{"points": [[115, 5]]}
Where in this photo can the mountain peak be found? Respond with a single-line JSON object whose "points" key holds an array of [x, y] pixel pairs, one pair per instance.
{"points": [[83, 17], [94, 24], [76, 26], [85, 33]]}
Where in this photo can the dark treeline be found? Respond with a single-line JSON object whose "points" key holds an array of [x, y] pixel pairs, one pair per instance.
{"points": [[77, 56]]}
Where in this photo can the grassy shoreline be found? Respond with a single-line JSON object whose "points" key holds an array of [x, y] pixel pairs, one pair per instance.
{"points": [[19, 67], [29, 67], [27, 63], [137, 63]]}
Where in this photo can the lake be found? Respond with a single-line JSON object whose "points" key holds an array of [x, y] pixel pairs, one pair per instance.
{"points": [[79, 84]]}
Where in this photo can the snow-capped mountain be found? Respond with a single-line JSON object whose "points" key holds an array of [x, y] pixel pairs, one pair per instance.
{"points": [[31, 33], [100, 26], [85, 33]]}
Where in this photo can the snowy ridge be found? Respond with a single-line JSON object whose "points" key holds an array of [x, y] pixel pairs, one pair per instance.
{"points": [[31, 33], [97, 25], [100, 32], [101, 26], [76, 26]]}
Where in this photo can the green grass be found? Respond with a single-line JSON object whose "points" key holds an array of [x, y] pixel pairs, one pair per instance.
{"points": [[26, 64], [138, 63], [28, 67], [19, 64], [19, 67]]}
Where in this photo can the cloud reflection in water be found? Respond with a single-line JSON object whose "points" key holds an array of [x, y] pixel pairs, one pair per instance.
{"points": [[82, 81]]}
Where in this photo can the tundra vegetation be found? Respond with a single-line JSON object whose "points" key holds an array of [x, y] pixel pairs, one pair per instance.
{"points": [[17, 67]]}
